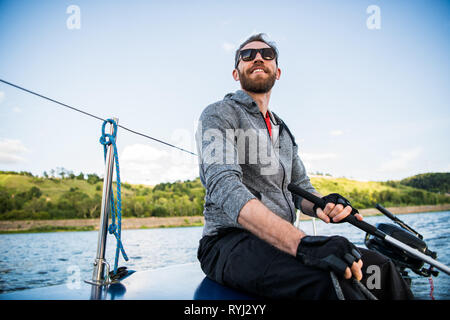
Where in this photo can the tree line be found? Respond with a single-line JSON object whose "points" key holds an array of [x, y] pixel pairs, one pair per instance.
{"points": [[434, 182], [67, 196]]}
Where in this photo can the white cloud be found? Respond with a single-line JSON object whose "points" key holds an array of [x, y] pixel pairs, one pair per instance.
{"points": [[401, 160], [322, 162], [17, 110], [336, 132], [143, 164], [228, 47], [227, 22], [11, 150], [2, 96], [318, 156]]}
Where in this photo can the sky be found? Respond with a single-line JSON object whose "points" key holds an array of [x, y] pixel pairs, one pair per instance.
{"points": [[364, 85]]}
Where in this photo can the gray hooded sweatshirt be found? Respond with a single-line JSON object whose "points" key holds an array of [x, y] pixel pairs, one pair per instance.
{"points": [[239, 161]]}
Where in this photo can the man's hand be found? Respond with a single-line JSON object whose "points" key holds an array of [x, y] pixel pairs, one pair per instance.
{"points": [[334, 253], [337, 208]]}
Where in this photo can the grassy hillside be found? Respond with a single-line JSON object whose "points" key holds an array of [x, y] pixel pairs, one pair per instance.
{"points": [[368, 194], [23, 196]]}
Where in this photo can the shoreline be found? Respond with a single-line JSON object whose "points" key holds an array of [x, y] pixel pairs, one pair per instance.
{"points": [[33, 226]]}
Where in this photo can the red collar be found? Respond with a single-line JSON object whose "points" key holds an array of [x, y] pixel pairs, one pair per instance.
{"points": [[269, 125]]}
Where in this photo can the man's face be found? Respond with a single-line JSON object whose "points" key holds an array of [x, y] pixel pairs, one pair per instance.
{"points": [[257, 75]]}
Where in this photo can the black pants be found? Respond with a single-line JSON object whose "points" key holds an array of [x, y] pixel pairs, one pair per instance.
{"points": [[238, 259]]}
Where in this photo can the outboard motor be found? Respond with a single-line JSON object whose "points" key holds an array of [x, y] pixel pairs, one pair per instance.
{"points": [[399, 257]]}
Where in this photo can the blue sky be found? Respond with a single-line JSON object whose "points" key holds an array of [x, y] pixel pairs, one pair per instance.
{"points": [[369, 104]]}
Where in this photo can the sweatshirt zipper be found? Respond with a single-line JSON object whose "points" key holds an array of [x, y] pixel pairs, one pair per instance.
{"points": [[282, 191], [282, 166]]}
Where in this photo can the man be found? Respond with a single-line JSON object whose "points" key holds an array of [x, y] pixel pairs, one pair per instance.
{"points": [[248, 157]]}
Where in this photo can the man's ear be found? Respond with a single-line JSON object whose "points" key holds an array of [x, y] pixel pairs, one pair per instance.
{"points": [[235, 75], [278, 74]]}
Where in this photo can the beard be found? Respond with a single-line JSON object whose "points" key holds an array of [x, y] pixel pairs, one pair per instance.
{"points": [[257, 85]]}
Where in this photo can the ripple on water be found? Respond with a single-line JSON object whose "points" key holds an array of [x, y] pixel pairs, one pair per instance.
{"points": [[36, 260]]}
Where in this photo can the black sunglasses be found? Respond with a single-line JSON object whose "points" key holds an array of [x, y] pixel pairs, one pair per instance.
{"points": [[250, 54]]}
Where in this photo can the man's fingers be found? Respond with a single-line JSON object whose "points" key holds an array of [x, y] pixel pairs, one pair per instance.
{"points": [[328, 208], [356, 270], [360, 263], [342, 214], [322, 216], [348, 273], [336, 210]]}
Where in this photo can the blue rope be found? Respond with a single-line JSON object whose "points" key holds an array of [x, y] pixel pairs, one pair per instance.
{"points": [[116, 229]]}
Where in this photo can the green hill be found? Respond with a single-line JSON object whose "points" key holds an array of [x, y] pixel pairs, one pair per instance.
{"points": [[434, 182], [367, 194], [24, 196]]}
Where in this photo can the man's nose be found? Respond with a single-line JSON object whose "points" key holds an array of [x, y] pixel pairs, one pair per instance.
{"points": [[258, 57]]}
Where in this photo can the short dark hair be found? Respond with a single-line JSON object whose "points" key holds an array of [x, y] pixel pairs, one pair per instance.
{"points": [[256, 37]]}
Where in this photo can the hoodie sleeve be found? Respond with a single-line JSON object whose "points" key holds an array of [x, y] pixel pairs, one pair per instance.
{"points": [[219, 169]]}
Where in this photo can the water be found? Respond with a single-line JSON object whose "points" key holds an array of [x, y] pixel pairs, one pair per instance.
{"points": [[42, 259]]}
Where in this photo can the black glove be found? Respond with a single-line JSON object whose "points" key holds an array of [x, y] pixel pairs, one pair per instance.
{"points": [[334, 253], [336, 198]]}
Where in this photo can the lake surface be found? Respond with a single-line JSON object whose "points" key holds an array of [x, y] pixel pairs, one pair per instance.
{"points": [[43, 259]]}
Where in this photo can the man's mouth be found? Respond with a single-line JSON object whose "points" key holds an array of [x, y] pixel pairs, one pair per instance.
{"points": [[257, 70]]}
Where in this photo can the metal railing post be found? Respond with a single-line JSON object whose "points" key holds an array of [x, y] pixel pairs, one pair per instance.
{"points": [[314, 226], [99, 276]]}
